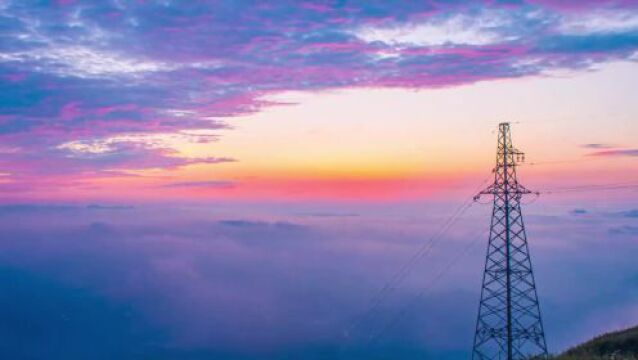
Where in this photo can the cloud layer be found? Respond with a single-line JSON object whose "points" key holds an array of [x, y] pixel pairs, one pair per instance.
{"points": [[107, 282]]}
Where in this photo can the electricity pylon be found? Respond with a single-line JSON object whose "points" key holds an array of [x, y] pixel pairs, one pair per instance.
{"points": [[509, 325]]}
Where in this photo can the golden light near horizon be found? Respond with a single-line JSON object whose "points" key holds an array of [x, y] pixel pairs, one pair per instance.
{"points": [[385, 134]]}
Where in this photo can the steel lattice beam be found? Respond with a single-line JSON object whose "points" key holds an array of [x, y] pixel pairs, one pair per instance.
{"points": [[509, 325]]}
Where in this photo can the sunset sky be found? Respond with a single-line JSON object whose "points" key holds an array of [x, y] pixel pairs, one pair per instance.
{"points": [[157, 100], [153, 148]]}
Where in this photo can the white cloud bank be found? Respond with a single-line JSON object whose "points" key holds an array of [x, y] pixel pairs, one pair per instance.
{"points": [[460, 29], [602, 21]]}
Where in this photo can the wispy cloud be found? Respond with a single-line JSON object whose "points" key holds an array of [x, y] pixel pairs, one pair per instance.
{"points": [[81, 61], [616, 152], [624, 230], [597, 146], [579, 211], [599, 21], [458, 29]]}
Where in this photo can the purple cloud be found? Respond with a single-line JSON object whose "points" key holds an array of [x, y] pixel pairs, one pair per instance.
{"points": [[616, 152], [597, 146], [79, 72]]}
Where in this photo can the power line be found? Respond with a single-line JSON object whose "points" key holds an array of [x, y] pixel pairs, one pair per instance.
{"points": [[444, 271], [557, 162], [407, 267], [592, 187], [427, 247], [448, 267], [564, 161]]}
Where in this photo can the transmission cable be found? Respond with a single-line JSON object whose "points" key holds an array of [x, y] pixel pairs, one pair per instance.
{"points": [[407, 267], [444, 271], [592, 187]]}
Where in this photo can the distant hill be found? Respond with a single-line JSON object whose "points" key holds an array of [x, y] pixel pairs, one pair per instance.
{"points": [[619, 345]]}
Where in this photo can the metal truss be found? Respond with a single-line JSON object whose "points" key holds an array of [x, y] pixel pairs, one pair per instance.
{"points": [[509, 325]]}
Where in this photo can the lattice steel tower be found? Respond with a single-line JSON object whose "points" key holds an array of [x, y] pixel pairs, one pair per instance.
{"points": [[509, 325]]}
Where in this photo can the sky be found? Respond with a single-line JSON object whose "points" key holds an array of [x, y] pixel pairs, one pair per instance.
{"points": [[236, 179]]}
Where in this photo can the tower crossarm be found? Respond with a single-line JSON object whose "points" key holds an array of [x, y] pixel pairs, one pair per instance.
{"points": [[496, 189]]}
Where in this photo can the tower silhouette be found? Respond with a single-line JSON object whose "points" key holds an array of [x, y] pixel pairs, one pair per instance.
{"points": [[509, 325]]}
